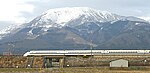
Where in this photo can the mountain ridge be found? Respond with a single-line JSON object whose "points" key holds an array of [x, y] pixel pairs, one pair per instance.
{"points": [[78, 28]]}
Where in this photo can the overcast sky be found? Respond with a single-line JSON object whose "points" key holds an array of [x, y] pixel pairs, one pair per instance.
{"points": [[23, 11]]}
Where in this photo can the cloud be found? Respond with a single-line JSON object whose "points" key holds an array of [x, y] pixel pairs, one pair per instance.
{"points": [[10, 10]]}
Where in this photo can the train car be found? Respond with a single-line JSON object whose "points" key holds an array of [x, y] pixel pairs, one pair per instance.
{"points": [[82, 52]]}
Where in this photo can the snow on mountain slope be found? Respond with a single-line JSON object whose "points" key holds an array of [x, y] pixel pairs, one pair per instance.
{"points": [[63, 15], [59, 17], [10, 29], [145, 18]]}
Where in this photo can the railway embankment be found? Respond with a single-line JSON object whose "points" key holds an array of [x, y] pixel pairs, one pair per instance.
{"points": [[71, 61]]}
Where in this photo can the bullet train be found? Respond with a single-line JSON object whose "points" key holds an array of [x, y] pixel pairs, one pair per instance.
{"points": [[82, 52]]}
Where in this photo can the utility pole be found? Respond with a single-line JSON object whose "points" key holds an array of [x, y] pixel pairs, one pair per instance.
{"points": [[8, 52], [91, 34], [91, 47]]}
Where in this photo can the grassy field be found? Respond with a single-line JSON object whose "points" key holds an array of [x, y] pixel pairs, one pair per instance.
{"points": [[76, 70], [19, 70]]}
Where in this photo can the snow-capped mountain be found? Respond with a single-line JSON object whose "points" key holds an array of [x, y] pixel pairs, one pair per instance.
{"points": [[61, 17], [78, 28]]}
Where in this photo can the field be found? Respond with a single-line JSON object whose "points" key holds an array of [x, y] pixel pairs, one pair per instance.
{"points": [[76, 70], [77, 64]]}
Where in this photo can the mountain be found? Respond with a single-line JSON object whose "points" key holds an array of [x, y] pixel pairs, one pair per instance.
{"points": [[77, 28]]}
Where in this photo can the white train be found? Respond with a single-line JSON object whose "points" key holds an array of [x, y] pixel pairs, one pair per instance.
{"points": [[83, 52]]}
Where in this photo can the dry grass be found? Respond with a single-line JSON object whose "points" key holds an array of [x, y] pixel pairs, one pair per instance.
{"points": [[74, 70], [93, 70]]}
